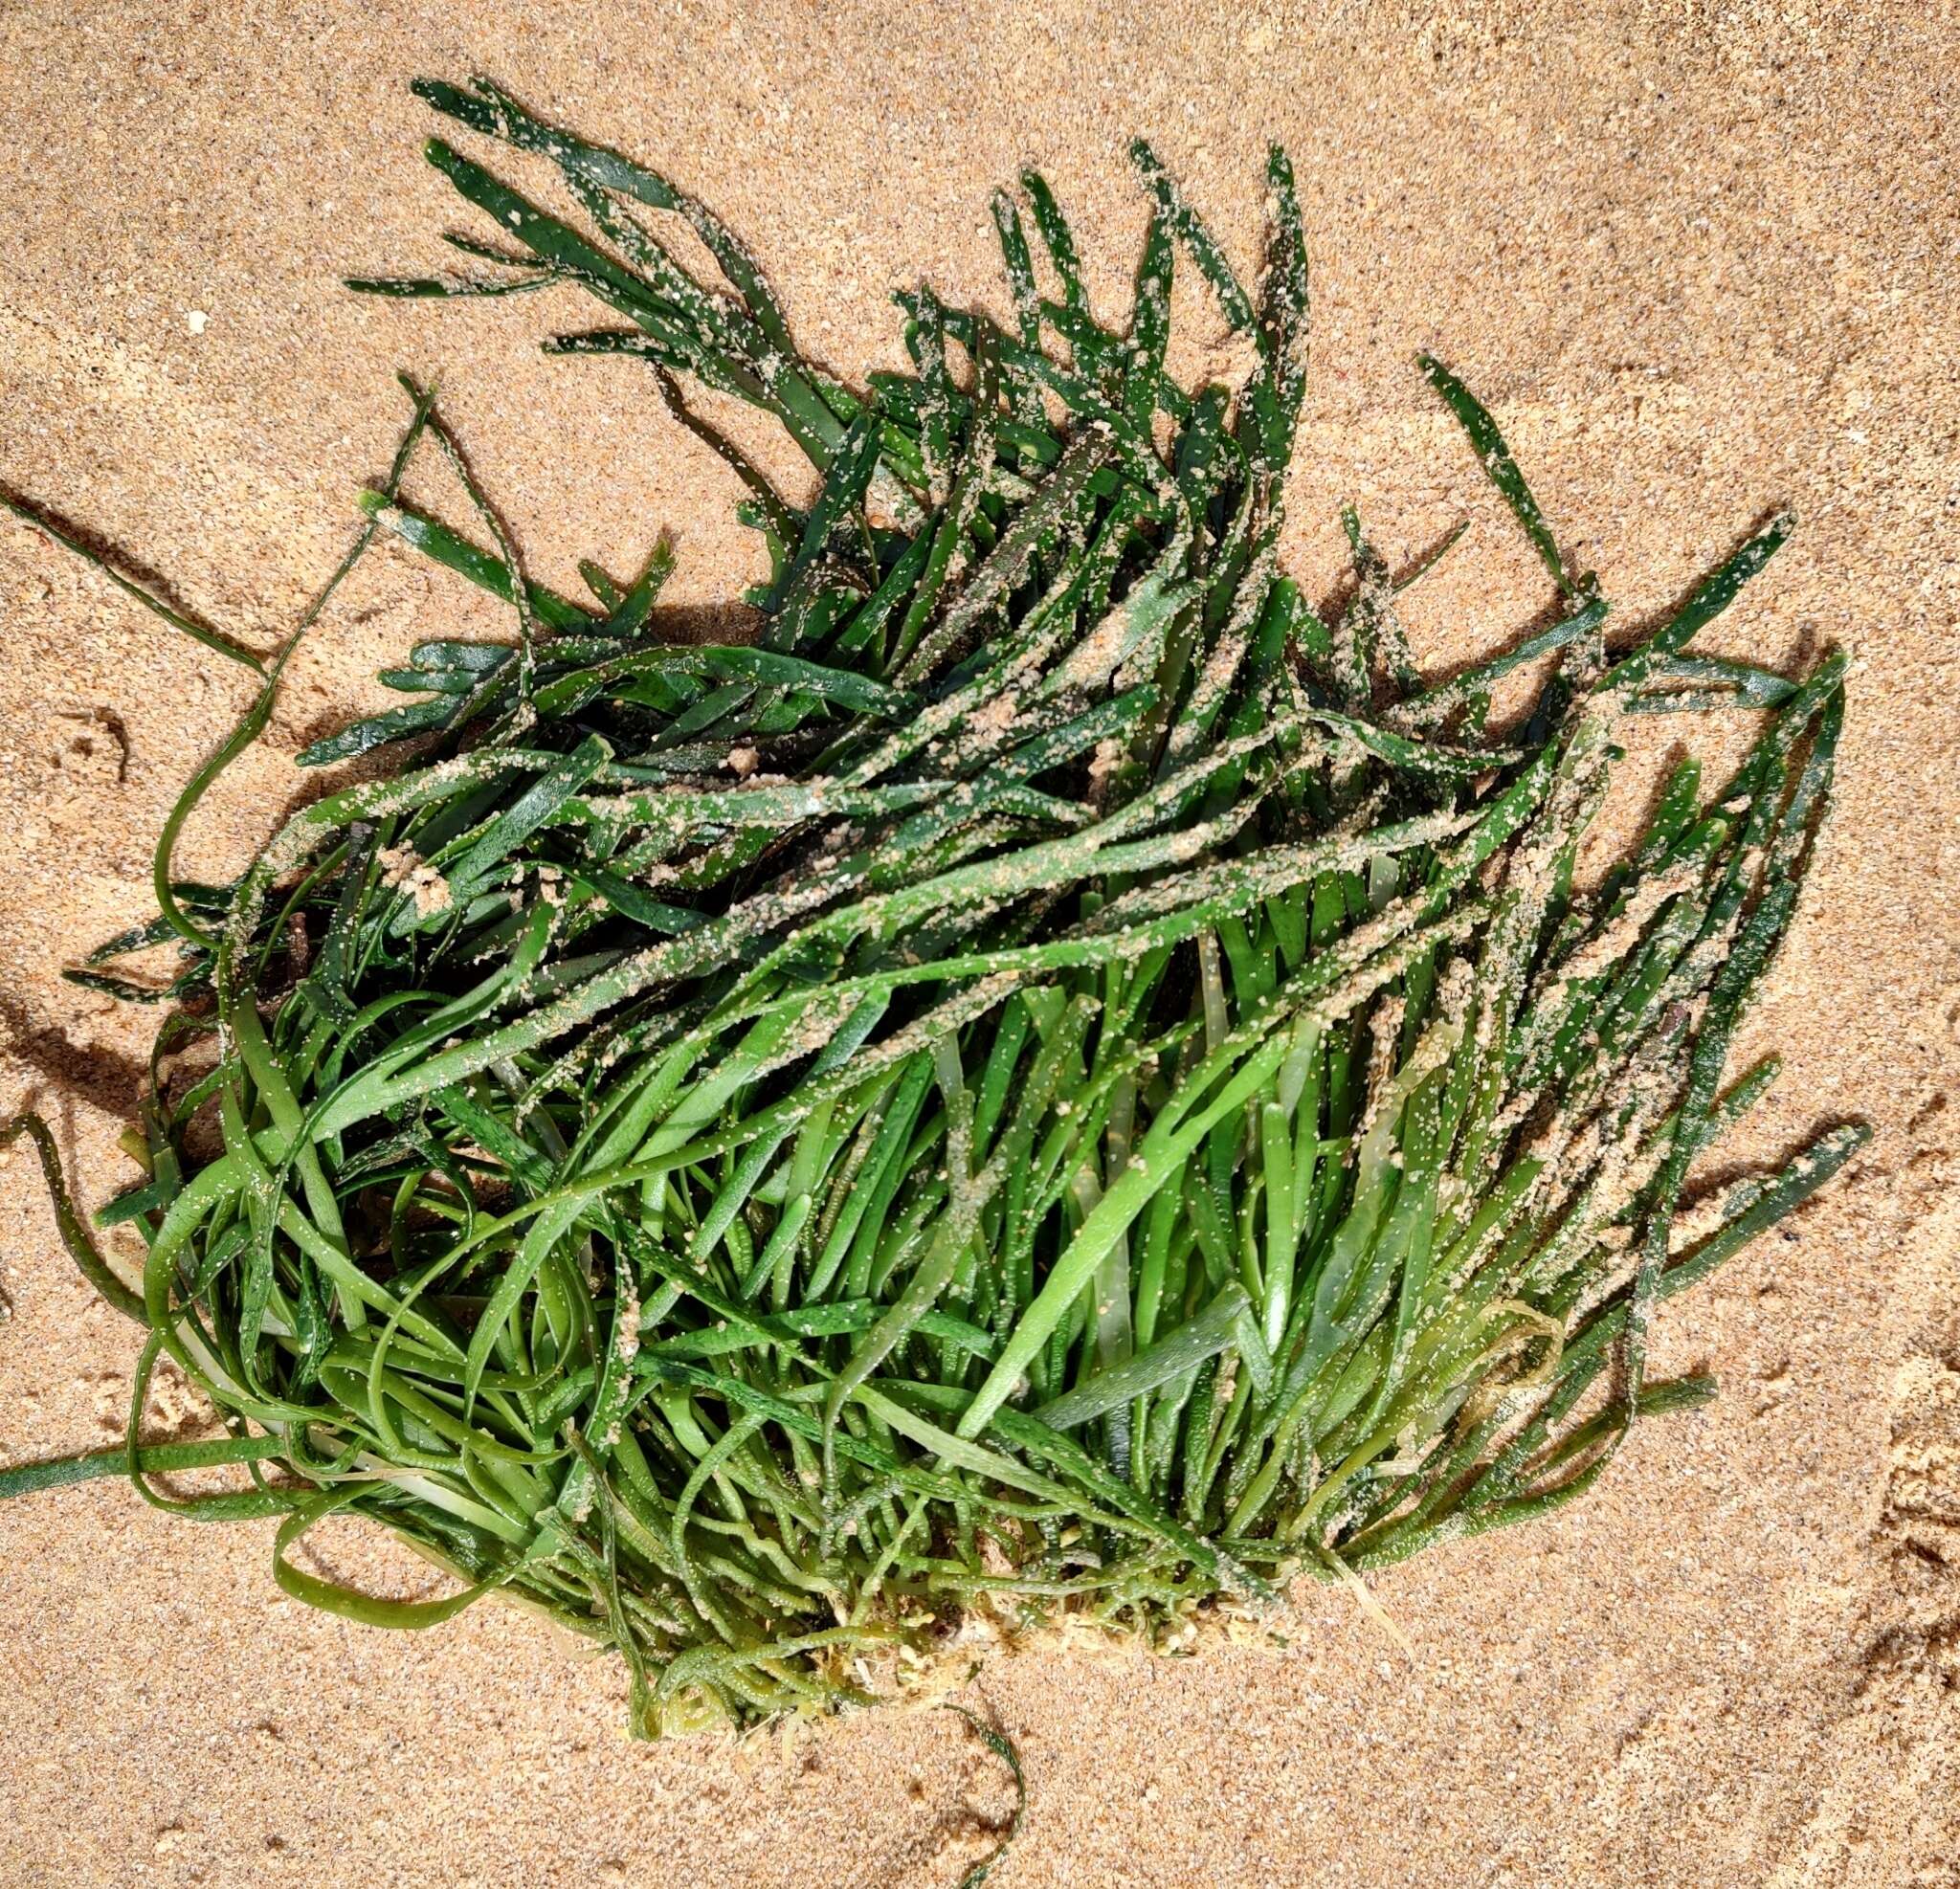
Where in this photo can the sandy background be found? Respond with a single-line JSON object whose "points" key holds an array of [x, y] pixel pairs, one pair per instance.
{"points": [[1699, 260]]}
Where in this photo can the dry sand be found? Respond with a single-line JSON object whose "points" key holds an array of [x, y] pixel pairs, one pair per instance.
{"points": [[1701, 260]]}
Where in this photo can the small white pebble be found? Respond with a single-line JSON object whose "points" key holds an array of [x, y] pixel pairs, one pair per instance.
{"points": [[195, 319]]}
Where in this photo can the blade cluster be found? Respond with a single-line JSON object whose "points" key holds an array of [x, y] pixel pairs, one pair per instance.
{"points": [[1054, 1081]]}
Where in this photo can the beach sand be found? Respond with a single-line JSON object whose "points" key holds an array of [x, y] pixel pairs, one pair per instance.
{"points": [[1700, 260]]}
